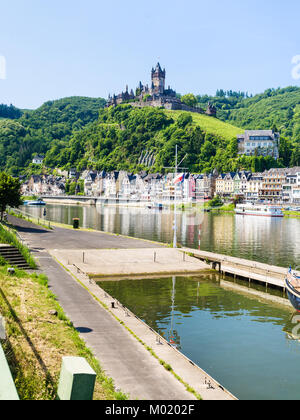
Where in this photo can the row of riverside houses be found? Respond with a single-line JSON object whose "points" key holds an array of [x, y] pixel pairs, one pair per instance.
{"points": [[121, 184], [44, 185], [275, 185], [280, 185]]}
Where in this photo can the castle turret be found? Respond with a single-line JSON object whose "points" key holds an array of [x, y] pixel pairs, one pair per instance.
{"points": [[158, 77]]}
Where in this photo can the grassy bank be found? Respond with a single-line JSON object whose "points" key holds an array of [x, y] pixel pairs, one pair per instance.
{"points": [[226, 208], [8, 236], [37, 340], [291, 213]]}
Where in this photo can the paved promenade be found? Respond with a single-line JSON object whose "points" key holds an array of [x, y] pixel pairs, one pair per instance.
{"points": [[133, 369]]}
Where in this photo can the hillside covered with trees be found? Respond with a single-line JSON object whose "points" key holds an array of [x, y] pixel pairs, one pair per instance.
{"points": [[38, 130], [275, 108], [79, 132]]}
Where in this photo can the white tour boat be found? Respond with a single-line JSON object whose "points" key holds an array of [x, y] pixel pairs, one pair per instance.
{"points": [[250, 209]]}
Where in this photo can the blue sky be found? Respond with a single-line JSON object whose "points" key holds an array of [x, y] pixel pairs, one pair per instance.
{"points": [[54, 49]]}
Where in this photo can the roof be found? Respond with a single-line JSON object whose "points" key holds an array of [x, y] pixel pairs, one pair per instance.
{"points": [[256, 133]]}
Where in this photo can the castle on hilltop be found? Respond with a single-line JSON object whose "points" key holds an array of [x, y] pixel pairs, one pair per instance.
{"points": [[156, 96]]}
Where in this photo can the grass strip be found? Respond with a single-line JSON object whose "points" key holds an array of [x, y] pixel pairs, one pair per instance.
{"points": [[37, 340]]}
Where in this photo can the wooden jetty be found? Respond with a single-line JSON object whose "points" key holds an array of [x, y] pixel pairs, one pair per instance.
{"points": [[239, 268]]}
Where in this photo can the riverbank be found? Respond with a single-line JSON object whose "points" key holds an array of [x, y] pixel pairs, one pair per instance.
{"points": [[94, 201]]}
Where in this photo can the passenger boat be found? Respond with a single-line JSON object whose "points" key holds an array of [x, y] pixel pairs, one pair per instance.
{"points": [[292, 283], [250, 209], [35, 203], [157, 206]]}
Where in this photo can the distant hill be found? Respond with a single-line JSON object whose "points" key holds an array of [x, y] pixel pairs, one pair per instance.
{"points": [[123, 134], [35, 131], [274, 107]]}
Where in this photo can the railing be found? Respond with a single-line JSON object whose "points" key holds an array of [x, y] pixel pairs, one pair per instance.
{"points": [[29, 217]]}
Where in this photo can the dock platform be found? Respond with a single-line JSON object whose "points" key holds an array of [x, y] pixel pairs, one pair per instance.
{"points": [[248, 270]]}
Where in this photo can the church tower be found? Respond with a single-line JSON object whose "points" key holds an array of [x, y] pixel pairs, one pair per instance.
{"points": [[158, 77]]}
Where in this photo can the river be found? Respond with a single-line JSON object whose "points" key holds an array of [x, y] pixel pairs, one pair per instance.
{"points": [[269, 240]]}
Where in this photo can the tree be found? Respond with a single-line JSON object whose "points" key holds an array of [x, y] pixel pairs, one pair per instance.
{"points": [[10, 192], [285, 151], [189, 99], [184, 119], [295, 159]]}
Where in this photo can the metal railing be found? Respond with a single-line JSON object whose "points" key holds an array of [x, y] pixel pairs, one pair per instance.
{"points": [[30, 217]]}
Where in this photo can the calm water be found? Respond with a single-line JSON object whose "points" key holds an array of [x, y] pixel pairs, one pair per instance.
{"points": [[269, 240], [240, 341]]}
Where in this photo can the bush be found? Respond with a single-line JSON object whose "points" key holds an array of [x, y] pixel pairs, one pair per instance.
{"points": [[215, 202]]}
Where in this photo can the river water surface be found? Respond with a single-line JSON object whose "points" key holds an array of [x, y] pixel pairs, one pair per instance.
{"points": [[269, 240]]}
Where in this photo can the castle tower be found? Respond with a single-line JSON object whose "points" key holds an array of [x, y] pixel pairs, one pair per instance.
{"points": [[158, 77]]}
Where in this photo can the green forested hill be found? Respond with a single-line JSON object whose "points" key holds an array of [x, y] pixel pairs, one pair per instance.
{"points": [[117, 140], [280, 108], [36, 131], [78, 132], [277, 109], [274, 107]]}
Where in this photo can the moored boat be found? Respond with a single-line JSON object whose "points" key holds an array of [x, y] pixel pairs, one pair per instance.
{"points": [[157, 206], [292, 283], [35, 203], [250, 209]]}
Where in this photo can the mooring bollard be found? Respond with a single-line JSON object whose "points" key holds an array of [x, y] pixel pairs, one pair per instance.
{"points": [[77, 380]]}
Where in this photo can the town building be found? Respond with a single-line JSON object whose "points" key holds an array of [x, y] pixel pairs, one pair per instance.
{"points": [[296, 190], [38, 159], [259, 143], [254, 187], [273, 181]]}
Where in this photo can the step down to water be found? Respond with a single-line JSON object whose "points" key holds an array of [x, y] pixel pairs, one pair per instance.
{"points": [[13, 256]]}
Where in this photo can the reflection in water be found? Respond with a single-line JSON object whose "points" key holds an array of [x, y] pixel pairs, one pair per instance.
{"points": [[173, 337], [242, 342], [270, 240]]}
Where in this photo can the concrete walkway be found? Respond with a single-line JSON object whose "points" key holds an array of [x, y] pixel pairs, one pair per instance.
{"points": [[129, 263], [40, 238]]}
